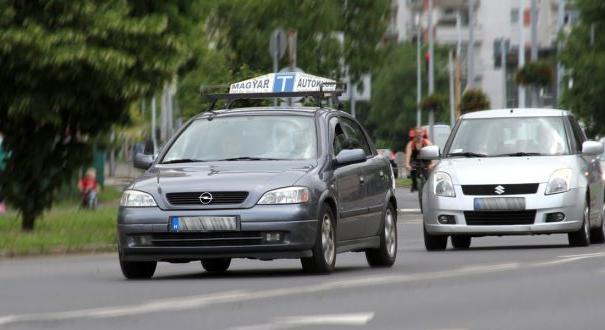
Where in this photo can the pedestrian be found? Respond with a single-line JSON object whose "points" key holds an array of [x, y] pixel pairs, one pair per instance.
{"points": [[88, 188]]}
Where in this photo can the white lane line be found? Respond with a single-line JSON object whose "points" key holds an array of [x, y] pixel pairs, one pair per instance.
{"points": [[596, 254], [193, 302], [409, 210], [569, 258], [358, 319]]}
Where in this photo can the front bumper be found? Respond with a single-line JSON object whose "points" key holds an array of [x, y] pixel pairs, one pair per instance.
{"points": [[295, 223], [569, 203]]}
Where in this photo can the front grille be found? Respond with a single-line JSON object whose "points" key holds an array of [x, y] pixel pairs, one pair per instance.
{"points": [[218, 197], [504, 189], [496, 218], [207, 239]]}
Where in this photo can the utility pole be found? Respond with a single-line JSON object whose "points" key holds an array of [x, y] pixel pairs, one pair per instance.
{"points": [[292, 49], [503, 52], [418, 71], [534, 49], [522, 51], [154, 138], [471, 44], [431, 66], [450, 66], [457, 68], [560, 72]]}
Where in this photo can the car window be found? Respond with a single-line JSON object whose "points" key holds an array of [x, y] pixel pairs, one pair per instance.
{"points": [[355, 135], [223, 138], [339, 141], [578, 134], [505, 136]]}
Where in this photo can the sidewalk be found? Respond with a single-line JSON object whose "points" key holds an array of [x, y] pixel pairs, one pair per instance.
{"points": [[125, 174]]}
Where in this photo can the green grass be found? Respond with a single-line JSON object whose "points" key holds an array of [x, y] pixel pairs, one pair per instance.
{"points": [[403, 182], [64, 229]]}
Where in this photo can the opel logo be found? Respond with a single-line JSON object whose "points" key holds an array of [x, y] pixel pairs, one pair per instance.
{"points": [[499, 190], [206, 198]]}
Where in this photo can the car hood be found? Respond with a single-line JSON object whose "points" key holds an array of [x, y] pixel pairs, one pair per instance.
{"points": [[255, 177], [504, 170]]}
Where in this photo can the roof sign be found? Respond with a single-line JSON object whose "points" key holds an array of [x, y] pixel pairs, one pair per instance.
{"points": [[283, 82]]}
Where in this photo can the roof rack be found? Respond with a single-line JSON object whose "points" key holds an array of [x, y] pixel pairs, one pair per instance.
{"points": [[327, 90]]}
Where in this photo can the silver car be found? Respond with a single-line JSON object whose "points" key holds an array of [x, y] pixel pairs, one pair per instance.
{"points": [[514, 172]]}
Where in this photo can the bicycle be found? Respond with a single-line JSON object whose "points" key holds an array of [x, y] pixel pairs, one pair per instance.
{"points": [[421, 177]]}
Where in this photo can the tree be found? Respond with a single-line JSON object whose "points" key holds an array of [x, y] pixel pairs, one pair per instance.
{"points": [[474, 99], [583, 57], [70, 70], [393, 107]]}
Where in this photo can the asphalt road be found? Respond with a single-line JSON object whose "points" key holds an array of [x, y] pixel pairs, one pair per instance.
{"points": [[500, 283]]}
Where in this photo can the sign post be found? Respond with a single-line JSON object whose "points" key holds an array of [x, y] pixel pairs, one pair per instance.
{"points": [[277, 48]]}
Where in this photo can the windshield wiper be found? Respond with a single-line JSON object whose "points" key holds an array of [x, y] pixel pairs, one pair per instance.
{"points": [[183, 160], [520, 154], [249, 158], [466, 154]]}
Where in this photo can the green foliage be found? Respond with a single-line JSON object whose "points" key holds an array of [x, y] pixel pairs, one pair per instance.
{"points": [[537, 73], [393, 108], [435, 102], [474, 100], [584, 60], [70, 69]]}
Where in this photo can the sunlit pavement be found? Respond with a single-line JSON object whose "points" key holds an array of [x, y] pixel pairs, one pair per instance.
{"points": [[500, 283]]}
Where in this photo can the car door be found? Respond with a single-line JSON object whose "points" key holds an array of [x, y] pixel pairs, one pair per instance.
{"points": [[373, 174], [349, 186], [591, 165]]}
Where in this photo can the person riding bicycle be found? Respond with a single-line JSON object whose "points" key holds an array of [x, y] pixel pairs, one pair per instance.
{"points": [[418, 140], [88, 188]]}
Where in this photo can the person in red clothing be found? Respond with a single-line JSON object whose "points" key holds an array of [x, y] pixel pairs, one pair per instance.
{"points": [[418, 140], [88, 187]]}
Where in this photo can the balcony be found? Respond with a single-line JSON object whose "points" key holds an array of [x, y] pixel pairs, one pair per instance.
{"points": [[446, 34]]}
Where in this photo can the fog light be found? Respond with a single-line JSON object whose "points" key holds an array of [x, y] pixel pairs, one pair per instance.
{"points": [[272, 237], [446, 219], [555, 217], [143, 240]]}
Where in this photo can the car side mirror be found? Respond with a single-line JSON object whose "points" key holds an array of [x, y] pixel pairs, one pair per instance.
{"points": [[592, 148], [429, 153], [350, 156], [142, 161]]}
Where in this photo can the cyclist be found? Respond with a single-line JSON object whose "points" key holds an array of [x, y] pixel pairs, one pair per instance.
{"points": [[418, 140]]}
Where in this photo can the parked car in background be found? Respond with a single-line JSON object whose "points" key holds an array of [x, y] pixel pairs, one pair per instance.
{"points": [[514, 172]]}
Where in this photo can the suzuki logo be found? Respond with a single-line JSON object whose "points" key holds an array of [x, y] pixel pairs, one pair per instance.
{"points": [[206, 198], [499, 190]]}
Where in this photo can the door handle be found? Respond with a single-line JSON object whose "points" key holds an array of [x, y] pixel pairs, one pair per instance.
{"points": [[361, 180], [381, 173]]}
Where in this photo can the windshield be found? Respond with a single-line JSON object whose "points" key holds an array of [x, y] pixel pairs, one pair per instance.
{"points": [[246, 138], [521, 136]]}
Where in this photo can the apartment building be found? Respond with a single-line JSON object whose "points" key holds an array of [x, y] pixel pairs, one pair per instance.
{"points": [[494, 21]]}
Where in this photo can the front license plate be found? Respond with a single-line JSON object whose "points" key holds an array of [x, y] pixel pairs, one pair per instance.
{"points": [[500, 204], [203, 224]]}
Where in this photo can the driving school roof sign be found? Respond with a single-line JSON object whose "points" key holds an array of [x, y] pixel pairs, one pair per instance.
{"points": [[282, 82]]}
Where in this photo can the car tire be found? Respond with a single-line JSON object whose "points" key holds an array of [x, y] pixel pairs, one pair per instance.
{"points": [[582, 236], [137, 270], [324, 250], [434, 242], [598, 234], [461, 241], [386, 254], [218, 265]]}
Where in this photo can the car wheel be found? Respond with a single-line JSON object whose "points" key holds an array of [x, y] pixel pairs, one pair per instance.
{"points": [[386, 254], [461, 241], [137, 269], [598, 234], [582, 236], [434, 242], [218, 265], [324, 250]]}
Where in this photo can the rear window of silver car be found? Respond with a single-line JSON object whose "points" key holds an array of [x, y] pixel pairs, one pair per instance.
{"points": [[505, 136], [254, 137]]}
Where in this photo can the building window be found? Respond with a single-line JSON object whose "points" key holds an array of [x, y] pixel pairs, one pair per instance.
{"points": [[514, 16]]}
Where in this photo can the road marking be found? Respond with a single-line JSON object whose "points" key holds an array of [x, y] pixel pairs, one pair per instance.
{"points": [[569, 258], [409, 210], [587, 255], [357, 319], [193, 302]]}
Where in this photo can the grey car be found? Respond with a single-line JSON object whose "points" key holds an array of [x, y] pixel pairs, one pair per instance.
{"points": [[514, 172], [262, 183]]}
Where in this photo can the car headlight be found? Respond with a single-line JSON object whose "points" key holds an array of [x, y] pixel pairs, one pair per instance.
{"points": [[135, 198], [560, 181], [442, 185], [290, 195]]}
